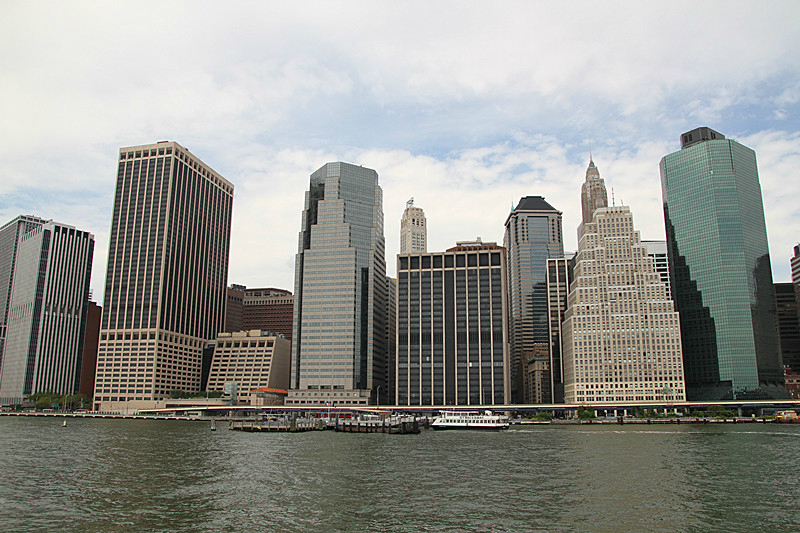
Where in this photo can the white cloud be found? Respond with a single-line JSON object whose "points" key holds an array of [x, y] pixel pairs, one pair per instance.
{"points": [[466, 107]]}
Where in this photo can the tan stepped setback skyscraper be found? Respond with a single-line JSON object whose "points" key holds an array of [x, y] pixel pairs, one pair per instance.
{"points": [[413, 230], [166, 278], [621, 335]]}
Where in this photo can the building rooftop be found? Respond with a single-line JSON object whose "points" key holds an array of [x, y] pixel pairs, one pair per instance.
{"points": [[534, 203]]}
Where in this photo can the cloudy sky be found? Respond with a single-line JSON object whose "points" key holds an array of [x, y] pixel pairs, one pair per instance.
{"points": [[464, 106]]}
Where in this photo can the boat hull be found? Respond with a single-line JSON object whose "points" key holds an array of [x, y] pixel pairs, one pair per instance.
{"points": [[479, 427]]}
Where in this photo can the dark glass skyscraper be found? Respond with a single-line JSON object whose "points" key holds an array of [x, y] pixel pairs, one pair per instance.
{"points": [[532, 236], [451, 317], [339, 339], [720, 269]]}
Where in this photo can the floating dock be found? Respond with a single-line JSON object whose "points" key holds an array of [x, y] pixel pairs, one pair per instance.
{"points": [[400, 427], [275, 426]]}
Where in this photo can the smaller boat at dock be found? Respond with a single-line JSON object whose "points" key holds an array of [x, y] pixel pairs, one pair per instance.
{"points": [[470, 420]]}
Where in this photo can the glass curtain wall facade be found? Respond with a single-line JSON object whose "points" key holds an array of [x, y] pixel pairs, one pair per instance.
{"points": [[788, 325], [720, 269], [339, 339], [167, 273], [532, 236], [47, 312], [451, 324], [10, 234]]}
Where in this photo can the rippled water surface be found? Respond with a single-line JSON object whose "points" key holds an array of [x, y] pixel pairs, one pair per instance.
{"points": [[99, 475]]}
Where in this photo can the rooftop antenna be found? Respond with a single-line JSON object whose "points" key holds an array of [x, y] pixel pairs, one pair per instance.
{"points": [[613, 203], [410, 203]]}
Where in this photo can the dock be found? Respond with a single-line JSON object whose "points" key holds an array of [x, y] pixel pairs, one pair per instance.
{"points": [[278, 426], [394, 427]]}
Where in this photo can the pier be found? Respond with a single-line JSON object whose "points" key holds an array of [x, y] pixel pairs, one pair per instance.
{"points": [[293, 425], [395, 427]]}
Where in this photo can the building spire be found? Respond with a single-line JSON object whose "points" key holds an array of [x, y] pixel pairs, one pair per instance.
{"points": [[593, 191]]}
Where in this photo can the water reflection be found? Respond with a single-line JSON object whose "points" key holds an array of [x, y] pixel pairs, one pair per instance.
{"points": [[115, 475]]}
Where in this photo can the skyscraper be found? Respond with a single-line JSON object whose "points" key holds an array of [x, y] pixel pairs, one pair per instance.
{"points": [[413, 230], [559, 278], [46, 319], [387, 393], [339, 339], [788, 325], [658, 251], [167, 274], [451, 324], [795, 261], [621, 335], [532, 236], [593, 192], [10, 235], [720, 269]]}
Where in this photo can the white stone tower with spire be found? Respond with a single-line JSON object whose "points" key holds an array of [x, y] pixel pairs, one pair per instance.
{"points": [[413, 230]]}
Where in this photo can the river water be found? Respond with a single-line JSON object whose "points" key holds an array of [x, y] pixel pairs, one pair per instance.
{"points": [[105, 475]]}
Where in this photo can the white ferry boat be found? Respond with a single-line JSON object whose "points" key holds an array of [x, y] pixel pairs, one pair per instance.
{"points": [[469, 420]]}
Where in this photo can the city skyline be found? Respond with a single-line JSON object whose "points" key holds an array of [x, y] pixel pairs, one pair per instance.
{"points": [[468, 105]]}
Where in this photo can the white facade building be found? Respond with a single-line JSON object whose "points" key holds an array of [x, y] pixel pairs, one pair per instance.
{"points": [[413, 230], [46, 311], [621, 335], [251, 359]]}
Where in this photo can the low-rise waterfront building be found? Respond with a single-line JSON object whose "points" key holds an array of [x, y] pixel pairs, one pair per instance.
{"points": [[251, 359]]}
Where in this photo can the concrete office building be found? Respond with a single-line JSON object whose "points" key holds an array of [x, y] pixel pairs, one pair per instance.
{"points": [[559, 278], [413, 230], [621, 335], [234, 308], [339, 339], [268, 309], [167, 275], [251, 359], [46, 309], [260, 308], [91, 343], [451, 327], [532, 236], [720, 269], [658, 251]]}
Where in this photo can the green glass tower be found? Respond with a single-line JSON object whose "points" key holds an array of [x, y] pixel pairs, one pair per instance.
{"points": [[720, 268]]}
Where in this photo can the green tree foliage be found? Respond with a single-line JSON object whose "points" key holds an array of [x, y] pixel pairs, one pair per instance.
{"points": [[585, 413], [51, 400]]}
